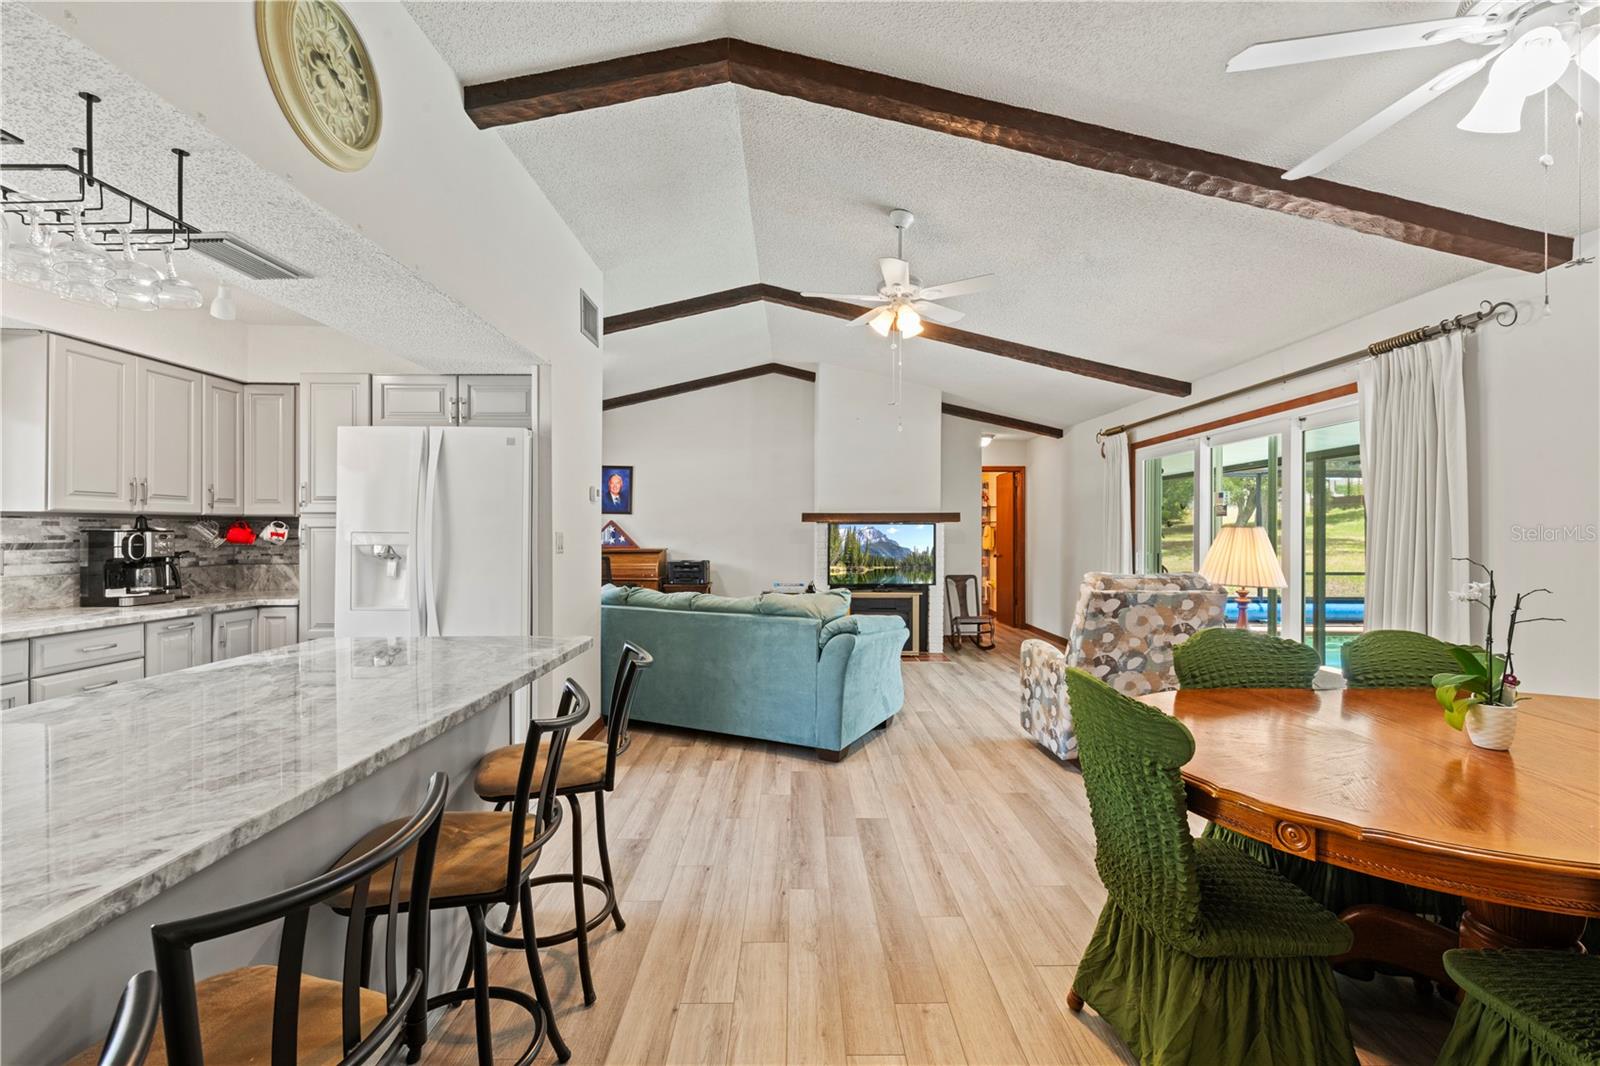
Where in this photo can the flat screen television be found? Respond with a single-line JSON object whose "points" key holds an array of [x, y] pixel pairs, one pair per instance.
{"points": [[873, 554]]}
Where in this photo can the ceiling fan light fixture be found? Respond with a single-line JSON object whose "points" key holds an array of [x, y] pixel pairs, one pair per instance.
{"points": [[882, 321], [1534, 62], [908, 322]]}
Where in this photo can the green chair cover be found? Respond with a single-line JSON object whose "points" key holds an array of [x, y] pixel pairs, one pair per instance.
{"points": [[1395, 658], [1201, 956], [1524, 1008], [1237, 658]]}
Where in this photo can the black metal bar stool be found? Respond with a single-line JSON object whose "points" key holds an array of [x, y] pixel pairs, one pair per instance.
{"points": [[133, 1027], [486, 858], [241, 1015], [590, 767]]}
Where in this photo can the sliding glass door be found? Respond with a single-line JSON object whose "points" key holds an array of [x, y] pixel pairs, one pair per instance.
{"points": [[1297, 476], [1247, 480], [1168, 544], [1335, 538]]}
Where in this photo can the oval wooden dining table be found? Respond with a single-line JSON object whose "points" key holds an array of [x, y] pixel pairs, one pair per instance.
{"points": [[1374, 780]]}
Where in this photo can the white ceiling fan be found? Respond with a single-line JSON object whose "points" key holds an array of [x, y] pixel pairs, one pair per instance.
{"points": [[1532, 44], [901, 302]]}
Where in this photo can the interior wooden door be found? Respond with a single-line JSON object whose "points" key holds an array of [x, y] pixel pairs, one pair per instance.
{"points": [[1005, 548]]}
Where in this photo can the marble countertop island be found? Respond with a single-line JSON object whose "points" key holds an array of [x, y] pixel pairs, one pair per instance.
{"points": [[47, 621], [106, 801]]}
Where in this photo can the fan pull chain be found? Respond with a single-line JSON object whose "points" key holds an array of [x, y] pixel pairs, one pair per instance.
{"points": [[1547, 161]]}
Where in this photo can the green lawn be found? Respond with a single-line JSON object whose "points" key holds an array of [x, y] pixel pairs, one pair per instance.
{"points": [[1347, 538]]}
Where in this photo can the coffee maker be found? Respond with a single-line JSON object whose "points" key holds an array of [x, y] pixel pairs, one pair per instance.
{"points": [[130, 566]]}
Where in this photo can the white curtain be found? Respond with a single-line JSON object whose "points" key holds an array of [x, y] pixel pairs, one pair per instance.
{"points": [[1414, 469], [1117, 505]]}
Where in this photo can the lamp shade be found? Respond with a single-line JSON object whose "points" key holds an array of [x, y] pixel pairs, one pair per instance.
{"points": [[1242, 557]]}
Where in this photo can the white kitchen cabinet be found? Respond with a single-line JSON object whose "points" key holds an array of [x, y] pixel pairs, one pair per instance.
{"points": [[169, 426], [13, 695], [327, 401], [269, 481], [414, 400], [276, 627], [176, 644], [91, 428], [76, 682], [495, 400], [224, 446], [317, 548], [233, 633], [14, 658]]}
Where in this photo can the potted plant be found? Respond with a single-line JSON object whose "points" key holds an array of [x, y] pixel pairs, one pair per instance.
{"points": [[1483, 696]]}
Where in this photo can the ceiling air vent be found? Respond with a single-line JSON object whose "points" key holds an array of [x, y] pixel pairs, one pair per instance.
{"points": [[235, 254], [588, 318]]}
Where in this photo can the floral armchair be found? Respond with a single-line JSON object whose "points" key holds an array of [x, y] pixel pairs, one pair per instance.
{"points": [[1123, 633]]}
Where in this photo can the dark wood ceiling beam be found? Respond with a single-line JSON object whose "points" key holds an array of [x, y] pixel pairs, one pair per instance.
{"points": [[694, 305], [1021, 129], [961, 338], [989, 418], [696, 384]]}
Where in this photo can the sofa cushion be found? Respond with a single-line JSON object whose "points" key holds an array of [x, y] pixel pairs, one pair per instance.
{"points": [[669, 601], [823, 606], [726, 604], [860, 623]]}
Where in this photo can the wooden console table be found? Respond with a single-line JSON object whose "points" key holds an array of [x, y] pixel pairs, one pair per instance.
{"points": [[645, 567]]}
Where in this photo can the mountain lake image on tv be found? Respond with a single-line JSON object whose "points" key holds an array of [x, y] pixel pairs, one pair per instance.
{"points": [[864, 554]]}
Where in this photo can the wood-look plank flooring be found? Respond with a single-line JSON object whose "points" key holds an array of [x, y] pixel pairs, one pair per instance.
{"points": [[922, 903]]}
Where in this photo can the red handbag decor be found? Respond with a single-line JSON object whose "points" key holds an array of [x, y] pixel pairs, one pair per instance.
{"points": [[240, 533]]}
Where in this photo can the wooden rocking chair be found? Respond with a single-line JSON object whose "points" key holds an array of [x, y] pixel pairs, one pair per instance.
{"points": [[967, 617]]}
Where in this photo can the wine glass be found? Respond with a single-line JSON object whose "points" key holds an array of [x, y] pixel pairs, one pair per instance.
{"points": [[175, 294], [23, 262], [77, 258], [133, 283]]}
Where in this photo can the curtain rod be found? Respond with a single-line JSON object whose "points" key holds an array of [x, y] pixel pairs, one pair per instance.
{"points": [[1502, 312]]}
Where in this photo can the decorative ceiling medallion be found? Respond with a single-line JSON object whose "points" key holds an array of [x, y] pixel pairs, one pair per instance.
{"points": [[323, 78]]}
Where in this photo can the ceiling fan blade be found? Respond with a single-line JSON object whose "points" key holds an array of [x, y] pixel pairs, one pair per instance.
{"points": [[855, 298], [863, 316], [1498, 110], [1355, 43], [957, 288], [942, 315], [1412, 101], [895, 271]]}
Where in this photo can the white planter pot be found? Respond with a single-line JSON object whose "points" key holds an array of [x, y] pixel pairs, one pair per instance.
{"points": [[1492, 727]]}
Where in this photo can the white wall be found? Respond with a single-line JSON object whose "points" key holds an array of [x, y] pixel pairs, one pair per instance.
{"points": [[962, 476], [521, 274], [1532, 394], [722, 474], [283, 353], [870, 456], [1006, 452]]}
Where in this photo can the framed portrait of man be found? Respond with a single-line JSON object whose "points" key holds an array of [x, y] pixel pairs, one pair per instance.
{"points": [[616, 490]]}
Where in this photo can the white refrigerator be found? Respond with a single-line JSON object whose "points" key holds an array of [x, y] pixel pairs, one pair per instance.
{"points": [[434, 532]]}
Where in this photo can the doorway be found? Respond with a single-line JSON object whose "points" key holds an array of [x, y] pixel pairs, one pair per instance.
{"points": [[1005, 552]]}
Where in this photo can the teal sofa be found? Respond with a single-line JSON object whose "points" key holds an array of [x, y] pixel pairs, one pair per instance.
{"points": [[793, 669]]}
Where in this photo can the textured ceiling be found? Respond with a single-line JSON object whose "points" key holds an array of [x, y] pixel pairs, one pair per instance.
{"points": [[700, 191], [355, 287]]}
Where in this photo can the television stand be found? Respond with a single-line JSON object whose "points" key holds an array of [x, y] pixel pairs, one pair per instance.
{"points": [[909, 603]]}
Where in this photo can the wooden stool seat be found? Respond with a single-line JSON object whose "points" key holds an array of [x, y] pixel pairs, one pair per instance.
{"points": [[236, 1017], [583, 765], [470, 861]]}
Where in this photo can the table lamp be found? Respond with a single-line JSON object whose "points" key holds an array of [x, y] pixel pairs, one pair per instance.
{"points": [[1243, 557]]}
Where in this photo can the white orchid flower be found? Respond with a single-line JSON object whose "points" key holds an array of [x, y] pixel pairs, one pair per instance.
{"points": [[1474, 592]]}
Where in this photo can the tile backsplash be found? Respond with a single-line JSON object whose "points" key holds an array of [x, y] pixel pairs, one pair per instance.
{"points": [[40, 555]]}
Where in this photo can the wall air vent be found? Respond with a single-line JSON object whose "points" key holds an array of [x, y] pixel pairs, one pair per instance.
{"points": [[235, 254], [588, 318]]}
